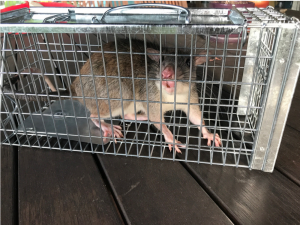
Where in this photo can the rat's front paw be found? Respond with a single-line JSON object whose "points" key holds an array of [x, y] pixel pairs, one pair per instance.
{"points": [[210, 138]]}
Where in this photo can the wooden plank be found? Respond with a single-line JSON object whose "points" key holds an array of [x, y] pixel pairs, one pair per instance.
{"points": [[253, 197], [9, 194], [57, 187], [292, 13], [160, 192], [293, 118], [288, 161], [297, 91]]}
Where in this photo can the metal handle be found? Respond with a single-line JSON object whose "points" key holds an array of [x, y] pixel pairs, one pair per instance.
{"points": [[244, 35], [64, 17], [236, 16], [187, 19]]}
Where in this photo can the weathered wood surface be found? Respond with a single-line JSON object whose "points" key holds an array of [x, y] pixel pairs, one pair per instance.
{"points": [[293, 119], [68, 188], [57, 187], [288, 161], [9, 192], [160, 192], [297, 91], [253, 197]]}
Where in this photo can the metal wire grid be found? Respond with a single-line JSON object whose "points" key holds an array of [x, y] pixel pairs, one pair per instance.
{"points": [[210, 102], [237, 132], [267, 15]]}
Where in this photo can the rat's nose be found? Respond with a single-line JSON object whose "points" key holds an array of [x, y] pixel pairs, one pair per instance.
{"points": [[168, 72]]}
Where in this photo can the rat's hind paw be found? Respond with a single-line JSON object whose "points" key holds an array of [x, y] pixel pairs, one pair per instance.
{"points": [[176, 146], [210, 138], [108, 132]]}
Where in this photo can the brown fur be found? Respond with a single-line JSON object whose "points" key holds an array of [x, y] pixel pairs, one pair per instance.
{"points": [[96, 65]]}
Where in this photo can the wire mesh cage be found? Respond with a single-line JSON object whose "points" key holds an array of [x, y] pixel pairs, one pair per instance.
{"points": [[212, 84]]}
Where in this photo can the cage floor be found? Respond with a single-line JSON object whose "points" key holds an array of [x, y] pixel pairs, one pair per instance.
{"points": [[140, 138]]}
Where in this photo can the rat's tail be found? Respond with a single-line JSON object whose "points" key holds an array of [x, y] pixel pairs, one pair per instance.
{"points": [[7, 91]]}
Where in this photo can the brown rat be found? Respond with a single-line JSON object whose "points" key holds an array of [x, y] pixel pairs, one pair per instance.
{"points": [[87, 85], [153, 67]]}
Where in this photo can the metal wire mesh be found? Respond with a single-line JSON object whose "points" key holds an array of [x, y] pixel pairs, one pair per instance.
{"points": [[54, 121]]}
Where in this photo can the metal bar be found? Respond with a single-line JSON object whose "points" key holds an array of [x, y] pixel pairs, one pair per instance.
{"points": [[147, 92], [276, 74], [252, 49], [2, 44], [60, 38], [160, 97], [108, 95], [121, 93], [53, 70], [189, 97], [121, 29], [175, 88], [232, 106], [133, 88], [219, 94], [288, 87], [42, 73]]}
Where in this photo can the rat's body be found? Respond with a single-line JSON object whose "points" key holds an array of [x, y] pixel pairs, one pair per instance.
{"points": [[130, 108], [85, 86]]}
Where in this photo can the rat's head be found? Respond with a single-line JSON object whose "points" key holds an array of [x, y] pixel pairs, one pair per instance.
{"points": [[186, 69]]}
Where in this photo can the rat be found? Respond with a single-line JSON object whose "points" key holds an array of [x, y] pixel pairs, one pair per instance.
{"points": [[157, 70]]}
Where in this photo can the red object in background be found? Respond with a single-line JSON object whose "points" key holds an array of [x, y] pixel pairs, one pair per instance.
{"points": [[225, 5], [15, 7], [26, 5], [261, 4], [55, 4], [44, 4]]}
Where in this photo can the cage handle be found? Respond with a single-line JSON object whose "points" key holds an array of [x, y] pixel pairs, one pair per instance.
{"points": [[244, 35], [181, 9]]}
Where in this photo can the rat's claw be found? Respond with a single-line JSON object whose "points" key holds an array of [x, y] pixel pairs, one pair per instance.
{"points": [[176, 146], [118, 133], [117, 127], [115, 131], [213, 59], [210, 138]]}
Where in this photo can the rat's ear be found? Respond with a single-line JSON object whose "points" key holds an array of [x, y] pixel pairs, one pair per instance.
{"points": [[153, 57], [198, 60]]}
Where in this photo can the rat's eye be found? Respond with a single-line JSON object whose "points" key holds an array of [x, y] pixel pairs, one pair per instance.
{"points": [[188, 62]]}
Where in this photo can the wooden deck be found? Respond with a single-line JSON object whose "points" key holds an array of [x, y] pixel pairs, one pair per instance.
{"points": [[58, 187]]}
